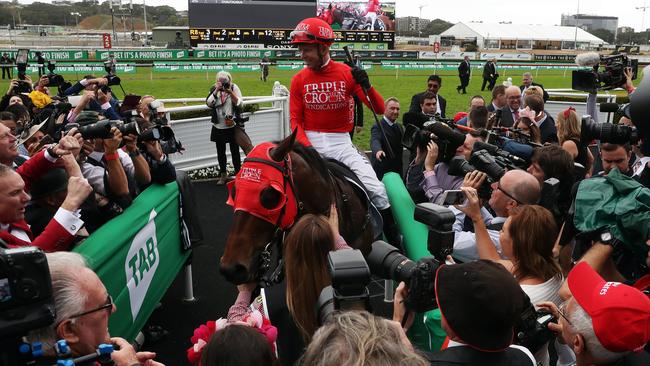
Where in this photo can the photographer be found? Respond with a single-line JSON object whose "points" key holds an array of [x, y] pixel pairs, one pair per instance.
{"points": [[436, 176], [224, 99], [103, 102], [17, 93], [514, 189], [480, 303], [526, 239], [590, 321], [82, 307]]}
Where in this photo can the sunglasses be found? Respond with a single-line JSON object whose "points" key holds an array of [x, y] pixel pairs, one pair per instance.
{"points": [[507, 194], [107, 306]]}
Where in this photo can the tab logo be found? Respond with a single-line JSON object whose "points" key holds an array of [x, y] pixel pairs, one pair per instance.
{"points": [[141, 263]]}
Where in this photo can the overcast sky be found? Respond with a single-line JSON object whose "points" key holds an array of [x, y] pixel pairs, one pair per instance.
{"points": [[547, 12]]}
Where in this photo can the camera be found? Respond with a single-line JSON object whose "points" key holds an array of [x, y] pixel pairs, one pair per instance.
{"points": [[611, 76], [102, 129], [21, 65], [387, 262], [225, 86], [607, 132], [447, 139], [25, 291], [531, 329], [53, 78], [109, 67], [439, 220], [349, 290]]}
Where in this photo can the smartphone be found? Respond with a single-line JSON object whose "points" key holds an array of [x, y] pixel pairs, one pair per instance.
{"points": [[22, 56], [451, 197]]}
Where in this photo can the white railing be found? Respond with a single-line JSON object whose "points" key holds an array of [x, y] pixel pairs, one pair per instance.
{"points": [[554, 107], [266, 124]]}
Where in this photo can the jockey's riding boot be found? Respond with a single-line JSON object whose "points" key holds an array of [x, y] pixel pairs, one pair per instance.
{"points": [[391, 232]]}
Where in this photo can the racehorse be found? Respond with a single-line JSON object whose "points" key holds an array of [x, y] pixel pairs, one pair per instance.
{"points": [[276, 185], [350, 20]]}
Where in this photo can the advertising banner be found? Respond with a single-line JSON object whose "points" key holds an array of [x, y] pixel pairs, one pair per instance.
{"points": [[229, 54], [143, 55], [53, 55], [506, 56], [427, 55], [137, 256], [206, 66]]}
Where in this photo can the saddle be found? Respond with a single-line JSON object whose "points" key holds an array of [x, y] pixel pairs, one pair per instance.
{"points": [[343, 172]]}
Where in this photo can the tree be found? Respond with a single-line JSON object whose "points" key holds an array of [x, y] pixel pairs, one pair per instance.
{"points": [[603, 34], [436, 26]]}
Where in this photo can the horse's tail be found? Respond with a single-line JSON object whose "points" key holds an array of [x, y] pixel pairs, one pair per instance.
{"points": [[305, 251]]}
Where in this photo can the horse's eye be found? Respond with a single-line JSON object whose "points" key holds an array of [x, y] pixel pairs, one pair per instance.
{"points": [[270, 198]]}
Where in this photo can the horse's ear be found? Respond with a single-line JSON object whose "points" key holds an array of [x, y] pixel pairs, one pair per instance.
{"points": [[279, 152]]}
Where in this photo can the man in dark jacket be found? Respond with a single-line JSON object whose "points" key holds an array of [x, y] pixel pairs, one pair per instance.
{"points": [[464, 72], [490, 74], [382, 163], [433, 86], [527, 82]]}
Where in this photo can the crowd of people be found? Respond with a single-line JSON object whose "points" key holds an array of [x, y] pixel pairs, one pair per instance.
{"points": [[59, 182]]}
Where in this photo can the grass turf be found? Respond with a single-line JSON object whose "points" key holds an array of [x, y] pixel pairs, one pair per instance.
{"points": [[402, 85]]}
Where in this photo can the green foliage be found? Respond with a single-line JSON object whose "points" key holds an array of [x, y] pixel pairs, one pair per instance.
{"points": [[436, 26]]}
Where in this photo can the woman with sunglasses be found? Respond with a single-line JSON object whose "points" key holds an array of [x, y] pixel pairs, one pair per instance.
{"points": [[527, 240]]}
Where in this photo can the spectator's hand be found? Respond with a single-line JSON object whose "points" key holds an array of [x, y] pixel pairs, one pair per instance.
{"points": [[69, 144], [553, 309], [218, 86], [35, 147], [12, 85], [100, 81], [87, 147], [399, 308], [74, 132], [103, 97], [78, 190], [333, 220], [432, 156], [249, 287], [112, 144], [361, 77], [474, 179], [130, 142], [380, 155], [629, 84], [43, 81], [473, 206], [154, 149], [126, 355]]}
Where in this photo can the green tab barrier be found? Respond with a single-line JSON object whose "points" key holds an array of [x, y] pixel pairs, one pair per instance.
{"points": [[206, 66], [233, 54], [426, 332], [97, 69], [137, 255], [142, 55]]}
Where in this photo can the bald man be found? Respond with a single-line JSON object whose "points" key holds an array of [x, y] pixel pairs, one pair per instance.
{"points": [[511, 110], [515, 188]]}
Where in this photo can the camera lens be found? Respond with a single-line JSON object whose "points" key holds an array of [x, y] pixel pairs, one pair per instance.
{"points": [[386, 261]]}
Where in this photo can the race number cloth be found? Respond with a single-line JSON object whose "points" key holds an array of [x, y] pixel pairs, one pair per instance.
{"points": [[137, 256], [426, 333]]}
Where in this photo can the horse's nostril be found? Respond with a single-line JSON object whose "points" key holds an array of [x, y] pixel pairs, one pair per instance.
{"points": [[236, 274]]}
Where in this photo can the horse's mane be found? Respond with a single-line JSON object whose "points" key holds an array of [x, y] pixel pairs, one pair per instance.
{"points": [[313, 159]]}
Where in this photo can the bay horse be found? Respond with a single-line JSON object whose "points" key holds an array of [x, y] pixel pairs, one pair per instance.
{"points": [[275, 186]]}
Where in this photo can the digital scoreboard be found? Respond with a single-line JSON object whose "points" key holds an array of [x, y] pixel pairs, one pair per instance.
{"points": [[251, 24]]}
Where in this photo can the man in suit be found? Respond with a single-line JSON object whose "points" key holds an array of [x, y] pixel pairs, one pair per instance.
{"points": [[527, 81], [433, 86], [545, 122], [464, 72], [511, 109], [490, 74], [498, 99], [381, 162]]}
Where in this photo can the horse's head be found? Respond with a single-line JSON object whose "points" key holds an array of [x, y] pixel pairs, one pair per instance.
{"points": [[264, 203]]}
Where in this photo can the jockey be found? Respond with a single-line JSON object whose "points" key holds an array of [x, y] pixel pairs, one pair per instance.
{"points": [[322, 109], [372, 9]]}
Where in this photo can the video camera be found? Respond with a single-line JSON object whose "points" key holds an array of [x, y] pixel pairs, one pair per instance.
{"points": [[22, 57], [349, 290], [447, 139], [612, 75], [53, 78], [607, 132], [109, 67]]}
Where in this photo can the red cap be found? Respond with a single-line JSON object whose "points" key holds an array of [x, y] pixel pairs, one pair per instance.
{"points": [[620, 314], [314, 31], [460, 115]]}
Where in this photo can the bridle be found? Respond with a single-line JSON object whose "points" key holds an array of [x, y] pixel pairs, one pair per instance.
{"points": [[272, 252]]}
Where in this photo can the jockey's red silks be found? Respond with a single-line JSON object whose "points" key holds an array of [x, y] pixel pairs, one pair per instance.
{"points": [[254, 177]]}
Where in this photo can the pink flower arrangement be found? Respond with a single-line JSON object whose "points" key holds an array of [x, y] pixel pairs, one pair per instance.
{"points": [[202, 334]]}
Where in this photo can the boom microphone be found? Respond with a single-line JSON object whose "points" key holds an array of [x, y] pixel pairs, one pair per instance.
{"points": [[588, 59]]}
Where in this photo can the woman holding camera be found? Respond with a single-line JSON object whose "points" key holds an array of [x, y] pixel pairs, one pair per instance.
{"points": [[527, 239], [224, 99]]}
